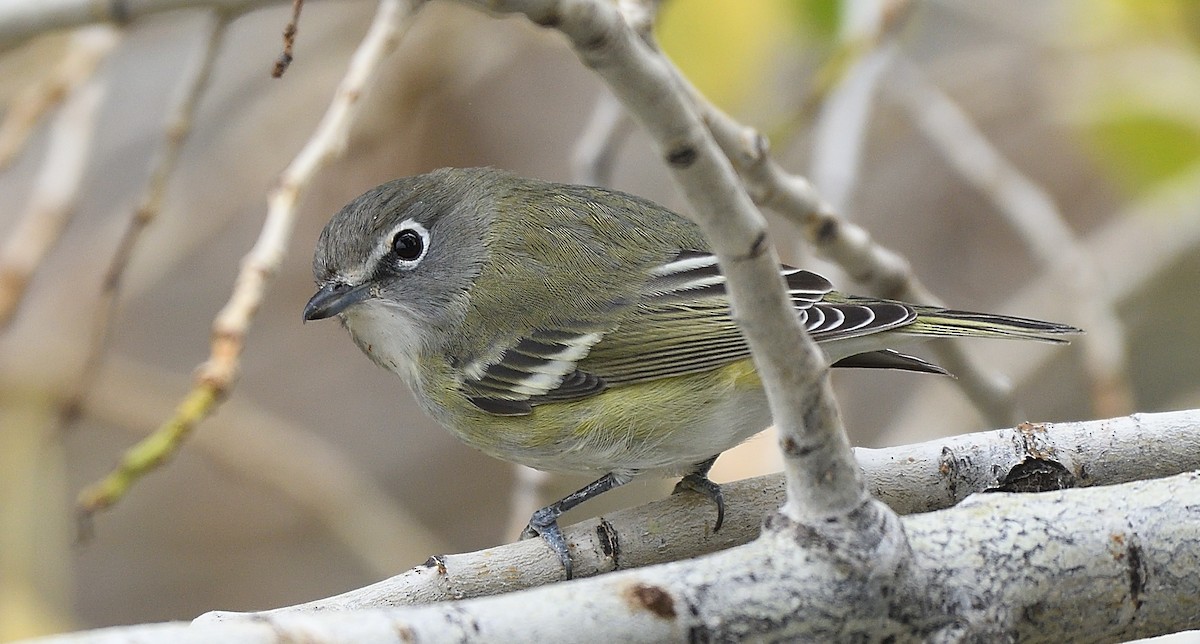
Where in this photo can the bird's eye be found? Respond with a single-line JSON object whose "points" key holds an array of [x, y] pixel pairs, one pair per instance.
{"points": [[408, 245]]}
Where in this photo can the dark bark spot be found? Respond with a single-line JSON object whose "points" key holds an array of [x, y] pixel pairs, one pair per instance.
{"points": [[548, 19], [759, 246], [652, 598], [682, 156], [795, 450], [1036, 475], [827, 230], [607, 536], [438, 562], [1137, 580]]}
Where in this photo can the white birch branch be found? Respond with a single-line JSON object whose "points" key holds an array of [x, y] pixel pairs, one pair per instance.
{"points": [[912, 478], [884, 271], [1029, 566]]}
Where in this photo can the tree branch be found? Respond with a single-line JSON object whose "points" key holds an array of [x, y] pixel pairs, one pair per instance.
{"points": [[912, 478], [1009, 564]]}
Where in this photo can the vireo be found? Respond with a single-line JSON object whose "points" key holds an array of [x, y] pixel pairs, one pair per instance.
{"points": [[578, 329]]}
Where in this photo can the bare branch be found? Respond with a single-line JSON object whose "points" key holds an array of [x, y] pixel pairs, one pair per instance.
{"points": [[1042, 580], [52, 201], [912, 478], [217, 375], [289, 41]]}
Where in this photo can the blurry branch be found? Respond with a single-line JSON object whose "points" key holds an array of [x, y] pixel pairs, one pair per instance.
{"points": [[610, 125], [596, 150], [20, 20], [1036, 219], [86, 49], [527, 496], [254, 445], [178, 125], [217, 375], [52, 201], [844, 115], [911, 479], [1149, 237], [869, 30]]}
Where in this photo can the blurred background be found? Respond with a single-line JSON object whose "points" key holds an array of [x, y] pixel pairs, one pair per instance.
{"points": [[937, 132]]}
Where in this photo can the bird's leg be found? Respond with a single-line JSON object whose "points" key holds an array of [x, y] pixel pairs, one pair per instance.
{"points": [[544, 522], [697, 481]]}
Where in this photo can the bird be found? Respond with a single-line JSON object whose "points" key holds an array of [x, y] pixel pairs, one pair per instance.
{"points": [[578, 329]]}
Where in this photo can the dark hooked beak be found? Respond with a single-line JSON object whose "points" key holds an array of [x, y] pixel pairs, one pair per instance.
{"points": [[333, 298]]}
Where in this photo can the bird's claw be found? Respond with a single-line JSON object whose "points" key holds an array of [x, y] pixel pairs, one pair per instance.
{"points": [[701, 484], [544, 524]]}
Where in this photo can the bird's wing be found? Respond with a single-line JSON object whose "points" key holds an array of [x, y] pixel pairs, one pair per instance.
{"points": [[540, 367], [684, 323], [680, 324]]}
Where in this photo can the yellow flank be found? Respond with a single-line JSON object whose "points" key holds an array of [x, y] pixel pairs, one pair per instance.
{"points": [[621, 420], [683, 398]]}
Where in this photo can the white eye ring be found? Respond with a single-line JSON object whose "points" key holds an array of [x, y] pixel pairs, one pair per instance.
{"points": [[407, 244]]}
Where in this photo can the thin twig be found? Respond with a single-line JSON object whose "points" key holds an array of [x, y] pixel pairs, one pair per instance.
{"points": [[87, 47], [218, 374], [289, 41], [1033, 215], [52, 201]]}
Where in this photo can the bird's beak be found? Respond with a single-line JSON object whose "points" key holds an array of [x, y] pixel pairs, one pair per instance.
{"points": [[333, 298]]}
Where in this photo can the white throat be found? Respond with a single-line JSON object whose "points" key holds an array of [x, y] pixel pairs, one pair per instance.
{"points": [[388, 335]]}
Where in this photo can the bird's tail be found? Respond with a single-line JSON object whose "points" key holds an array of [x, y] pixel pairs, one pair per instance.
{"points": [[943, 323]]}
